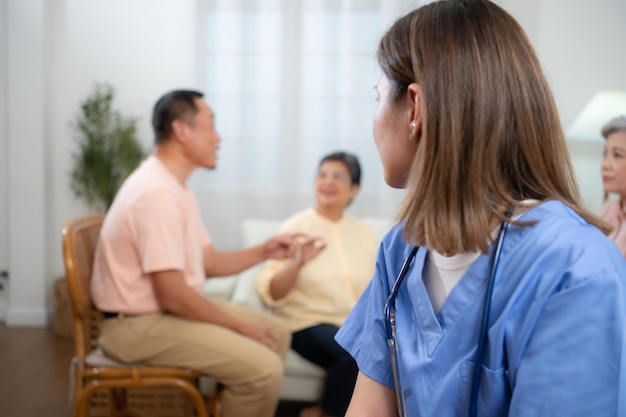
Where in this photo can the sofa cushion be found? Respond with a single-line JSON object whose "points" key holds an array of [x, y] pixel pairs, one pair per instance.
{"points": [[245, 292], [220, 287], [241, 288], [254, 231]]}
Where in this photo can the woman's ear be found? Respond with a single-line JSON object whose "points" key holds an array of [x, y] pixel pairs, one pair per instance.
{"points": [[354, 189], [414, 112], [414, 103]]}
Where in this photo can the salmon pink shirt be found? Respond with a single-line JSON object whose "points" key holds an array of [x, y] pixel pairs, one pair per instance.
{"points": [[153, 225]]}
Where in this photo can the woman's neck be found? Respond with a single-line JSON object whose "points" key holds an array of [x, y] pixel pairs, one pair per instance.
{"points": [[332, 214]]}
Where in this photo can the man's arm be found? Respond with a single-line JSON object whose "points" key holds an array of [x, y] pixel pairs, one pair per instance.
{"points": [[372, 399], [222, 263], [177, 298]]}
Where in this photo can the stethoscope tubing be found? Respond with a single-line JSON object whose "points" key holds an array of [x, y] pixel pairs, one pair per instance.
{"points": [[484, 325], [390, 325]]}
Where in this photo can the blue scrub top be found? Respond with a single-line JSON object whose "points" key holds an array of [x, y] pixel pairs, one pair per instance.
{"points": [[556, 340]]}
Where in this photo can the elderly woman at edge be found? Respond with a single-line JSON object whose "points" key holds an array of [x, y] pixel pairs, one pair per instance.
{"points": [[613, 171]]}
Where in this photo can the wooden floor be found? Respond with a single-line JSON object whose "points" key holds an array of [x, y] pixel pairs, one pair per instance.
{"points": [[34, 374], [35, 368]]}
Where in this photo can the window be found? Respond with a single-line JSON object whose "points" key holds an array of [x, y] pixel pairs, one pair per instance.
{"points": [[291, 81]]}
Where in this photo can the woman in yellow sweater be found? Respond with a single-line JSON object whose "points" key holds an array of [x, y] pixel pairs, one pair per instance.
{"points": [[316, 289]]}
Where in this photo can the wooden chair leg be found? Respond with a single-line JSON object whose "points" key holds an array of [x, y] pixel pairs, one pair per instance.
{"points": [[215, 402]]}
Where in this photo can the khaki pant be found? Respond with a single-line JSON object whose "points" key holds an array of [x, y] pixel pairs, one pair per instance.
{"points": [[251, 373]]}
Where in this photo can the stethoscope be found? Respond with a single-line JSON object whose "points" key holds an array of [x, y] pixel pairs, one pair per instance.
{"points": [[390, 322]]}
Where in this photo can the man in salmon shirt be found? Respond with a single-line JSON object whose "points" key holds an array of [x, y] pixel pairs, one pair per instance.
{"points": [[153, 257]]}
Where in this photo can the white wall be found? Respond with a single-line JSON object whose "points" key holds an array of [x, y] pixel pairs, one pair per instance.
{"points": [[580, 45], [142, 48], [25, 162], [4, 232], [57, 49]]}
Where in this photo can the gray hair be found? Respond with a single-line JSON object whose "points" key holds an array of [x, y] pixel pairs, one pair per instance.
{"points": [[616, 125]]}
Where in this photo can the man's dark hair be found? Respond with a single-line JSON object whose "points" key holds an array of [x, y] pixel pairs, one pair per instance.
{"points": [[350, 161], [177, 104]]}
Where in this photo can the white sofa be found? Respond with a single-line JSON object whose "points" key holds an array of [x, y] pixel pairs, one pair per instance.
{"points": [[303, 380]]}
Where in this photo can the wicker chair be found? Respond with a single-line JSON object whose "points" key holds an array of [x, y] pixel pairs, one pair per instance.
{"points": [[92, 371]]}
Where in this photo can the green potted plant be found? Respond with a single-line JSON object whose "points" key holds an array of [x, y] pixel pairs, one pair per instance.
{"points": [[108, 149]]}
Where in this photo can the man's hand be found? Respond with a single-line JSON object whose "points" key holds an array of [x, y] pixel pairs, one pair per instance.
{"points": [[308, 249], [261, 334], [281, 246]]}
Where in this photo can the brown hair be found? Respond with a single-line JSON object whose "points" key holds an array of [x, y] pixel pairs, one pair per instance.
{"points": [[491, 135]]}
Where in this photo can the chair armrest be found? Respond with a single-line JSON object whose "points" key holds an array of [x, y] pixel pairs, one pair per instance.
{"points": [[245, 292]]}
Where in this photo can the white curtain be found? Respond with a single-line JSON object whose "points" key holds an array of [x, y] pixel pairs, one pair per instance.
{"points": [[289, 81]]}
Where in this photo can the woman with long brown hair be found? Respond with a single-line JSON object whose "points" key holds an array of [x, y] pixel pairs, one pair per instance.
{"points": [[497, 293]]}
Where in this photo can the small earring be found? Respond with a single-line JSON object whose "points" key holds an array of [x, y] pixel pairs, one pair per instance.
{"points": [[412, 138]]}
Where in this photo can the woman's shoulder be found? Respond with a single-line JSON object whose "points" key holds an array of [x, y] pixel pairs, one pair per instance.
{"points": [[560, 237], [558, 223], [393, 247], [294, 222], [557, 215]]}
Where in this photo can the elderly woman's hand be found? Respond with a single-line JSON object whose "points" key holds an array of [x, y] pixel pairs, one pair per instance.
{"points": [[308, 249]]}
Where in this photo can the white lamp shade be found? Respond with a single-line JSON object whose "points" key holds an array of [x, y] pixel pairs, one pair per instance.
{"points": [[603, 107]]}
